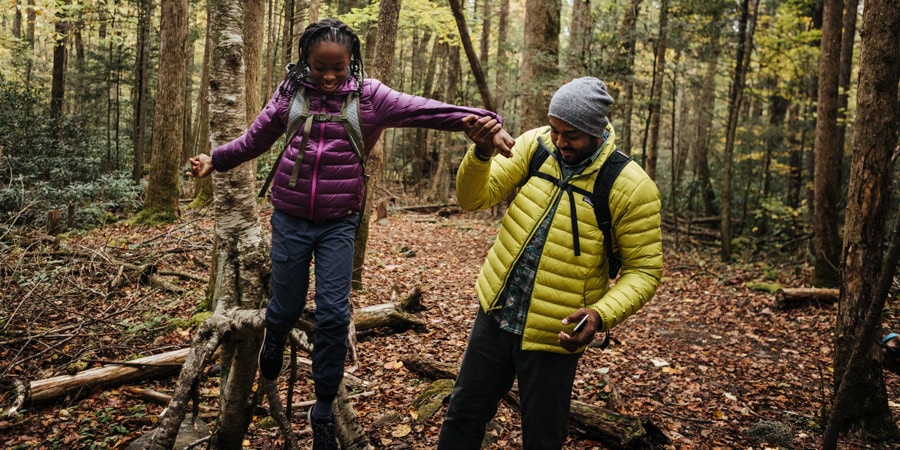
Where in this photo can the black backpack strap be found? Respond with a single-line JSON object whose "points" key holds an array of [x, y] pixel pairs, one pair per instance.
{"points": [[602, 186], [537, 160]]}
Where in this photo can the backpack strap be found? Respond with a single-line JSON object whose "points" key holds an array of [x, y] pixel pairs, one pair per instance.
{"points": [[607, 175], [300, 118], [350, 118], [297, 115], [602, 186]]}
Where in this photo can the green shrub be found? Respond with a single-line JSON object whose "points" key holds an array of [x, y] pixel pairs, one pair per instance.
{"points": [[54, 164]]}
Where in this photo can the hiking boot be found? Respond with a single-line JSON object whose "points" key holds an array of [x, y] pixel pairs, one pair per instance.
{"points": [[323, 433], [271, 357]]}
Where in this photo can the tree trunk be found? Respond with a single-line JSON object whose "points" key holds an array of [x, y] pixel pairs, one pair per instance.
{"points": [[480, 79], [161, 198], [745, 46], [861, 398], [254, 12], [625, 66], [579, 39], [652, 147], [502, 72], [287, 37], [141, 96], [540, 60], [30, 17], [60, 61], [202, 186], [388, 18], [17, 19], [705, 106], [795, 156], [828, 153], [485, 47], [241, 260]]}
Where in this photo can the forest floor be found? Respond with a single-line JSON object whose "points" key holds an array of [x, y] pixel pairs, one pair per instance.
{"points": [[705, 360]]}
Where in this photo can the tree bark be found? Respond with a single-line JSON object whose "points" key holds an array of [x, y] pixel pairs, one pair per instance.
{"points": [[161, 198], [60, 61], [579, 39], [480, 79], [502, 72], [540, 60], [388, 17], [625, 72], [828, 153], [652, 147], [141, 90], [705, 106], [860, 401], [161, 365], [742, 60], [795, 297]]}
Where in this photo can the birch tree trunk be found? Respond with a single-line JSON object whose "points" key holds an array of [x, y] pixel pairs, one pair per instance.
{"points": [[242, 263]]}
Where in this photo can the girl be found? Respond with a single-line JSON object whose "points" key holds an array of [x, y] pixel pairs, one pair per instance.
{"points": [[317, 193]]}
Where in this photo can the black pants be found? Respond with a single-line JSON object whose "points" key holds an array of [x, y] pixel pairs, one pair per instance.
{"points": [[492, 360]]}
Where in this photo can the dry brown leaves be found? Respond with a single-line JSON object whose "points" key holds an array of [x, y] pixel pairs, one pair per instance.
{"points": [[704, 360]]}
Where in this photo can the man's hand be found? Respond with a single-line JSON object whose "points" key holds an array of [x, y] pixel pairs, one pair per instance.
{"points": [[201, 166], [583, 337], [488, 135]]}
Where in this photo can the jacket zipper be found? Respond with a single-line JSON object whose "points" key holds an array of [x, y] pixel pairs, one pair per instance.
{"points": [[315, 172]]}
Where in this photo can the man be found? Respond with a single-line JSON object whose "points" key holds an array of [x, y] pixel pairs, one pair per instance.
{"points": [[890, 352], [548, 267]]}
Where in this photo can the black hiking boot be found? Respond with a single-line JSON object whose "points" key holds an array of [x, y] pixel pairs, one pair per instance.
{"points": [[323, 433], [271, 357]]}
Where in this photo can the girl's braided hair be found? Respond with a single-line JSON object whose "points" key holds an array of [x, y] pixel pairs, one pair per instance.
{"points": [[327, 30]]}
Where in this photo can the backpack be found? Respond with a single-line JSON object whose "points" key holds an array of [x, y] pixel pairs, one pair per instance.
{"points": [[599, 197], [299, 115]]}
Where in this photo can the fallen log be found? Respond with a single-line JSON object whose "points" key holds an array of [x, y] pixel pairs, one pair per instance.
{"points": [[620, 431], [392, 315], [154, 366], [797, 297]]}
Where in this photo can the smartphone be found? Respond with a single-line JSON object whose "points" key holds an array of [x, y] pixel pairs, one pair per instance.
{"points": [[580, 325]]}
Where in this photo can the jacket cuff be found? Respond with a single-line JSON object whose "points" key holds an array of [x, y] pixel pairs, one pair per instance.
{"points": [[479, 156]]}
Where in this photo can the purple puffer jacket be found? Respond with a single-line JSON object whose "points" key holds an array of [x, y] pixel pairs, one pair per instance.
{"points": [[330, 184]]}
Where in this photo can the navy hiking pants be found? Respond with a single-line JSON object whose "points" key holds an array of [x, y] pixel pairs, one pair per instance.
{"points": [[295, 242]]}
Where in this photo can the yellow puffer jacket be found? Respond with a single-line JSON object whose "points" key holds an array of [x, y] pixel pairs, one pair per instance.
{"points": [[564, 281]]}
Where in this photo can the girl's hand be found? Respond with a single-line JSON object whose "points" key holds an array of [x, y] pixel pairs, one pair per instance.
{"points": [[201, 166]]}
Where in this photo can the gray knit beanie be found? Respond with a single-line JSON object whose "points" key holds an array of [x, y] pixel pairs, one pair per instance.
{"points": [[582, 103]]}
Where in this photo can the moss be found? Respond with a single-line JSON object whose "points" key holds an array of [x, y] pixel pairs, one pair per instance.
{"points": [[430, 401], [771, 288]]}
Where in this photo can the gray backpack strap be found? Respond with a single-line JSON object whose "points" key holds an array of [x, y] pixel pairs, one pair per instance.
{"points": [[297, 115], [353, 127]]}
